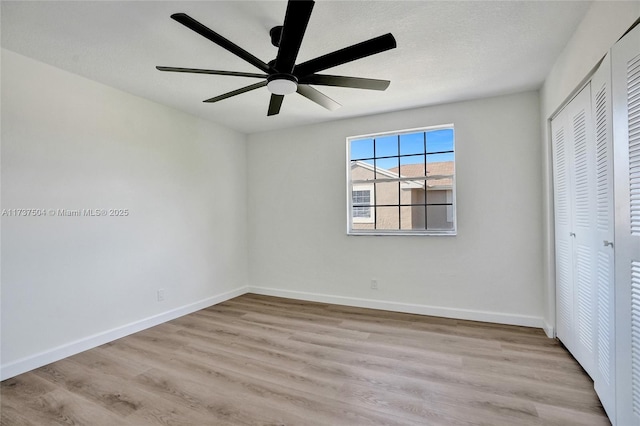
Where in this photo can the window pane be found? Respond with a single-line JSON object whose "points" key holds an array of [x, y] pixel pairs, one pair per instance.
{"points": [[439, 158], [387, 193], [362, 211], [361, 148], [387, 165], [440, 218], [436, 196], [412, 217], [440, 140], [386, 146], [362, 170], [439, 173], [412, 166], [415, 192], [361, 197], [387, 218], [412, 143]]}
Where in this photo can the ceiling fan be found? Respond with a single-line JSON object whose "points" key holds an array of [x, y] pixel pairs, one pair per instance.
{"points": [[283, 76]]}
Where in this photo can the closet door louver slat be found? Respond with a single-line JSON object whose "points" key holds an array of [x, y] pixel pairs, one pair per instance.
{"points": [[633, 108], [603, 161], [565, 290], [635, 336], [605, 324], [585, 300], [561, 181], [581, 170]]}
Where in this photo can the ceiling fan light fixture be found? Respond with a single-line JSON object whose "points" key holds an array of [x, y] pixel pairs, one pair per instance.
{"points": [[282, 84]]}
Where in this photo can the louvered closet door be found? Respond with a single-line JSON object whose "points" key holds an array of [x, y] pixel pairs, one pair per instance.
{"points": [[574, 156], [604, 378], [625, 71], [580, 122], [563, 183]]}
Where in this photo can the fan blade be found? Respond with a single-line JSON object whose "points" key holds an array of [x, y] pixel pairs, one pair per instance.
{"points": [[317, 97], [274, 104], [216, 72], [196, 26], [236, 92], [341, 81], [295, 25], [348, 54]]}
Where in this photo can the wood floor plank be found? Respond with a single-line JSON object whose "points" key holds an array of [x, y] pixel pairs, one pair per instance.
{"points": [[150, 408], [14, 416], [26, 386], [339, 389], [100, 359], [262, 360], [561, 416], [506, 369], [454, 347], [61, 407], [449, 401]]}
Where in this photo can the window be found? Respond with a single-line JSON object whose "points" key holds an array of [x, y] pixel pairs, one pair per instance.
{"points": [[361, 203], [402, 182]]}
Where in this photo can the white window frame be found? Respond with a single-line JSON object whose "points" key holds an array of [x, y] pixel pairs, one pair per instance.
{"points": [[359, 185]]}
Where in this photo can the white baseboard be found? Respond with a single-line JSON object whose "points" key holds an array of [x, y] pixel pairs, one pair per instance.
{"points": [[411, 308], [38, 360], [549, 330]]}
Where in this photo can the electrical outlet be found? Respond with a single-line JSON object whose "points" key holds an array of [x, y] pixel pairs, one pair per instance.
{"points": [[374, 284], [160, 295]]}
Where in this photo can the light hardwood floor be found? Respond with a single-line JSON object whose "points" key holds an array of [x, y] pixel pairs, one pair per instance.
{"points": [[258, 360]]}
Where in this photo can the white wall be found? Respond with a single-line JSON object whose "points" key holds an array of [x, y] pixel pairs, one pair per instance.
{"points": [[70, 282], [491, 270], [604, 23]]}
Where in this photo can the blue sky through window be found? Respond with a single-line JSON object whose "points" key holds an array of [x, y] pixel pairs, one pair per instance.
{"points": [[437, 141]]}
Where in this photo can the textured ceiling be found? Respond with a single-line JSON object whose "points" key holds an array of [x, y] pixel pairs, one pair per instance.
{"points": [[447, 50]]}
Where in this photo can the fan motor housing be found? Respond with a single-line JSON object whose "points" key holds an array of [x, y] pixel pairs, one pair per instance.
{"points": [[276, 35]]}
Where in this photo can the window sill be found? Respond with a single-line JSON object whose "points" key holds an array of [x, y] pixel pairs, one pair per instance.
{"points": [[431, 233]]}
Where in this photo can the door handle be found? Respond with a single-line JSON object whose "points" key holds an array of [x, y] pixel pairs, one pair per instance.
{"points": [[608, 243], [572, 234]]}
